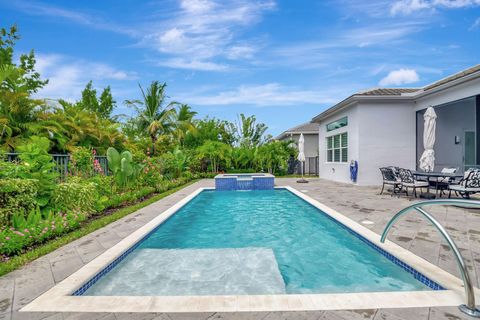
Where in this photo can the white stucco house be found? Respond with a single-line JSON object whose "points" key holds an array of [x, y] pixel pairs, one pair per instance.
{"points": [[384, 127], [310, 134]]}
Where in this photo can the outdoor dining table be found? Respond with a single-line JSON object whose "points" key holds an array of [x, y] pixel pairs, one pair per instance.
{"points": [[436, 175]]}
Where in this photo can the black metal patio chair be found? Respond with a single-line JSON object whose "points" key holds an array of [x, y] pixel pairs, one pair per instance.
{"points": [[468, 185], [409, 181], [442, 184], [390, 178]]}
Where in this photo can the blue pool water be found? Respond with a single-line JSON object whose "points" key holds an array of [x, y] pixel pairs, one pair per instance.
{"points": [[252, 242]]}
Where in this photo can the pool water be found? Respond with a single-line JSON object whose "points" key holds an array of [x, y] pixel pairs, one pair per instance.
{"points": [[280, 236]]}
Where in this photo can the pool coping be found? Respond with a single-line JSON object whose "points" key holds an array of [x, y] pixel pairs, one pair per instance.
{"points": [[60, 299]]}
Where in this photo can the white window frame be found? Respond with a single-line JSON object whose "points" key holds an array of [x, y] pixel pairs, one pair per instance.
{"points": [[340, 134]]}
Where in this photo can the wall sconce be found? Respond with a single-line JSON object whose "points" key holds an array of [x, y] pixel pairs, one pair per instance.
{"points": [[457, 139]]}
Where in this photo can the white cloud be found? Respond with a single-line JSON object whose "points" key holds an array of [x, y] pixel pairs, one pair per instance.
{"points": [[204, 30], [270, 94], [240, 52], [181, 63], [400, 77], [68, 76], [475, 25], [406, 7]]}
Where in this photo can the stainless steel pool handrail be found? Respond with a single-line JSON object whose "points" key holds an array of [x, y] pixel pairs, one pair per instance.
{"points": [[469, 308]]}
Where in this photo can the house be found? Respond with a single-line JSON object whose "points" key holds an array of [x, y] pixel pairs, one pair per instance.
{"points": [[384, 127], [310, 134]]}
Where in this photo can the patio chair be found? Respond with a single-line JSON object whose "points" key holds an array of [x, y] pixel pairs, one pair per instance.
{"points": [[390, 178], [468, 185], [443, 183], [409, 181]]}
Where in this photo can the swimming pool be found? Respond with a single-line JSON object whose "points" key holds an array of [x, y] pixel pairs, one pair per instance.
{"points": [[254, 242], [248, 269]]}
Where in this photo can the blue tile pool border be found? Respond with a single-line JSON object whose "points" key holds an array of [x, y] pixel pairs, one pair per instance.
{"points": [[416, 274]]}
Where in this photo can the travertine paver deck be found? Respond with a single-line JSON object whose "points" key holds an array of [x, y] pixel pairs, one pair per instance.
{"points": [[358, 203]]}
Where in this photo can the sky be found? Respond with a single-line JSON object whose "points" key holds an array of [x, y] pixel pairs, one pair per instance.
{"points": [[284, 61]]}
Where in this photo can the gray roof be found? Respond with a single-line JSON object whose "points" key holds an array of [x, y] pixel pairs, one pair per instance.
{"points": [[386, 91], [308, 127], [453, 77], [397, 93]]}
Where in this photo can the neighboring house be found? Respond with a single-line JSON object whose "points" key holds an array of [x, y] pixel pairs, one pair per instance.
{"points": [[384, 127], [310, 134]]}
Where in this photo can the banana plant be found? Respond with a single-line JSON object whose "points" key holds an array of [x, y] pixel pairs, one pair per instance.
{"points": [[122, 166]]}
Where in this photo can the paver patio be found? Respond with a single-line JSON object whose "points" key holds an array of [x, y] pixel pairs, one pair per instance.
{"points": [[358, 203]]}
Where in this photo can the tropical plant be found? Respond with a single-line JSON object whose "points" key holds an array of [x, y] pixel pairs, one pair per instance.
{"points": [[273, 156], [215, 152], [210, 129], [123, 167], [154, 115], [38, 165], [250, 134], [183, 123]]}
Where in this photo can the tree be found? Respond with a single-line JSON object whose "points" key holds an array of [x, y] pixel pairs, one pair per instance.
{"points": [[102, 106], [18, 111], [107, 104], [154, 115], [215, 152], [273, 156], [250, 134], [183, 122], [29, 79], [210, 129]]}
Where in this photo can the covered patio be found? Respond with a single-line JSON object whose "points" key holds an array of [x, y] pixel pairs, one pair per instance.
{"points": [[457, 134]]}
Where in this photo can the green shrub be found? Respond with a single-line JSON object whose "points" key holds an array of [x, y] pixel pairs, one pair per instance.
{"points": [[75, 196], [17, 195], [151, 173], [39, 165], [35, 228], [81, 161]]}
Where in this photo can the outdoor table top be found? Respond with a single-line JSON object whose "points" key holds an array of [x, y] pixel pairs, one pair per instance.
{"points": [[437, 174]]}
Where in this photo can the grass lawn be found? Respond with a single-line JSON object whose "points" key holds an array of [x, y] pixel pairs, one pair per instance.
{"points": [[95, 223]]}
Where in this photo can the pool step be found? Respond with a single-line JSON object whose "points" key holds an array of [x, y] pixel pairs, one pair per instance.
{"points": [[193, 272]]}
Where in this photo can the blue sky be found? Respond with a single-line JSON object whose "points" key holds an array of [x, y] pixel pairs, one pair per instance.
{"points": [[284, 61]]}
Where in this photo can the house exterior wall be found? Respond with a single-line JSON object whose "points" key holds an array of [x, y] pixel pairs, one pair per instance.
{"points": [[338, 171], [386, 138], [369, 127]]}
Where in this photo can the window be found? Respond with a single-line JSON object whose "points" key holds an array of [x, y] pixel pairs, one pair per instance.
{"points": [[337, 148], [337, 124]]}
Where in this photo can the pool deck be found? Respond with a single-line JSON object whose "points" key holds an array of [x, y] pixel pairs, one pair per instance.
{"points": [[361, 204]]}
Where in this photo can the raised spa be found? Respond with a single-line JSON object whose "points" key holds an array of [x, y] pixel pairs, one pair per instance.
{"points": [[253, 242], [244, 181]]}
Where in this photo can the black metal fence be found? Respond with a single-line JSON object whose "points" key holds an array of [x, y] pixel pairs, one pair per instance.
{"points": [[310, 166], [62, 161]]}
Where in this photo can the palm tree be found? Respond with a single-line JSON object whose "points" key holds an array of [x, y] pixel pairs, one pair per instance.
{"points": [[184, 122], [154, 117]]}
